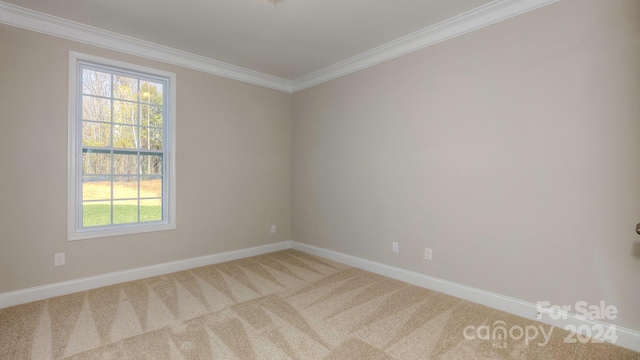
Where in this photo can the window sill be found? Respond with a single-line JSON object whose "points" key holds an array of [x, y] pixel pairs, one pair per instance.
{"points": [[119, 231]]}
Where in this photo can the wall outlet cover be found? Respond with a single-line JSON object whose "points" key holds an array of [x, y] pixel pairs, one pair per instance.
{"points": [[58, 259]]}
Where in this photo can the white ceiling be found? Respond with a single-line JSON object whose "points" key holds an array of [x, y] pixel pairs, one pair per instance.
{"points": [[289, 47], [290, 40]]}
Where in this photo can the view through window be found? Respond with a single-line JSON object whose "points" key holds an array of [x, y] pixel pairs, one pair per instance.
{"points": [[122, 148]]}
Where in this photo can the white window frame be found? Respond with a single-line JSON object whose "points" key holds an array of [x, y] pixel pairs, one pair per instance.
{"points": [[75, 231]]}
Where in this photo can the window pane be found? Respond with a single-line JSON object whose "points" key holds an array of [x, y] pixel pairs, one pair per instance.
{"points": [[96, 83], [125, 211], [150, 186], [125, 187], [96, 134], [151, 92], [151, 115], [150, 164], [151, 210], [97, 109], [96, 213], [120, 128], [96, 188], [125, 137], [96, 162], [125, 164], [151, 138], [125, 88], [125, 112]]}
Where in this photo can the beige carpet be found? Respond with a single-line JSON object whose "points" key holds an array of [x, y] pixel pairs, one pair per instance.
{"points": [[284, 305]]}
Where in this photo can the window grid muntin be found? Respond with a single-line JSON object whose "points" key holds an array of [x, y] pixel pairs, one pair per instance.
{"points": [[140, 77]]}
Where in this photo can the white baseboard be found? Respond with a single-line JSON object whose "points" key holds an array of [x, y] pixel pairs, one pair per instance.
{"points": [[627, 338], [72, 286]]}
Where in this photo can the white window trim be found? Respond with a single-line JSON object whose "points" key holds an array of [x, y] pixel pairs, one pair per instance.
{"points": [[74, 190]]}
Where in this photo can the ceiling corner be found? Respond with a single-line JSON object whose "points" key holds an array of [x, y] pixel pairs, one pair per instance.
{"points": [[475, 19]]}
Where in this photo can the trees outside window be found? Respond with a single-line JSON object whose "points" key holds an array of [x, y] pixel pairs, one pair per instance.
{"points": [[122, 146]]}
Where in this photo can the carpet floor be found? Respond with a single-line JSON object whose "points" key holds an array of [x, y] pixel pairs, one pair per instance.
{"points": [[283, 305]]}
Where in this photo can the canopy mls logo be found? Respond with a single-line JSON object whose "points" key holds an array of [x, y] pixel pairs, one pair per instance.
{"points": [[499, 334], [594, 332]]}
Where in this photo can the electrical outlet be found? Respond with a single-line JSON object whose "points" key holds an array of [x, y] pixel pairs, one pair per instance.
{"points": [[394, 247], [428, 254], [273, 229], [58, 259]]}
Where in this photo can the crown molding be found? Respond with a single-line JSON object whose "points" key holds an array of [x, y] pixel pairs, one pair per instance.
{"points": [[475, 19], [52, 25], [480, 17]]}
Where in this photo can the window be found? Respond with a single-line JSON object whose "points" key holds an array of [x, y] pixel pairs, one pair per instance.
{"points": [[121, 148]]}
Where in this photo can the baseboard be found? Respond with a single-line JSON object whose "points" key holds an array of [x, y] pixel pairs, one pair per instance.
{"points": [[68, 287], [627, 338]]}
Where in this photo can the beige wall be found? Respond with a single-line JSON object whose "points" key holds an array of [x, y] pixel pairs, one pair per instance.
{"points": [[233, 168], [512, 151]]}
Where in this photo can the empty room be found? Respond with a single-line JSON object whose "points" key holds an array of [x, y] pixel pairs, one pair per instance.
{"points": [[320, 179]]}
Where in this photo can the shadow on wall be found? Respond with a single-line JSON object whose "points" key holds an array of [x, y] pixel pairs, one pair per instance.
{"points": [[636, 250]]}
